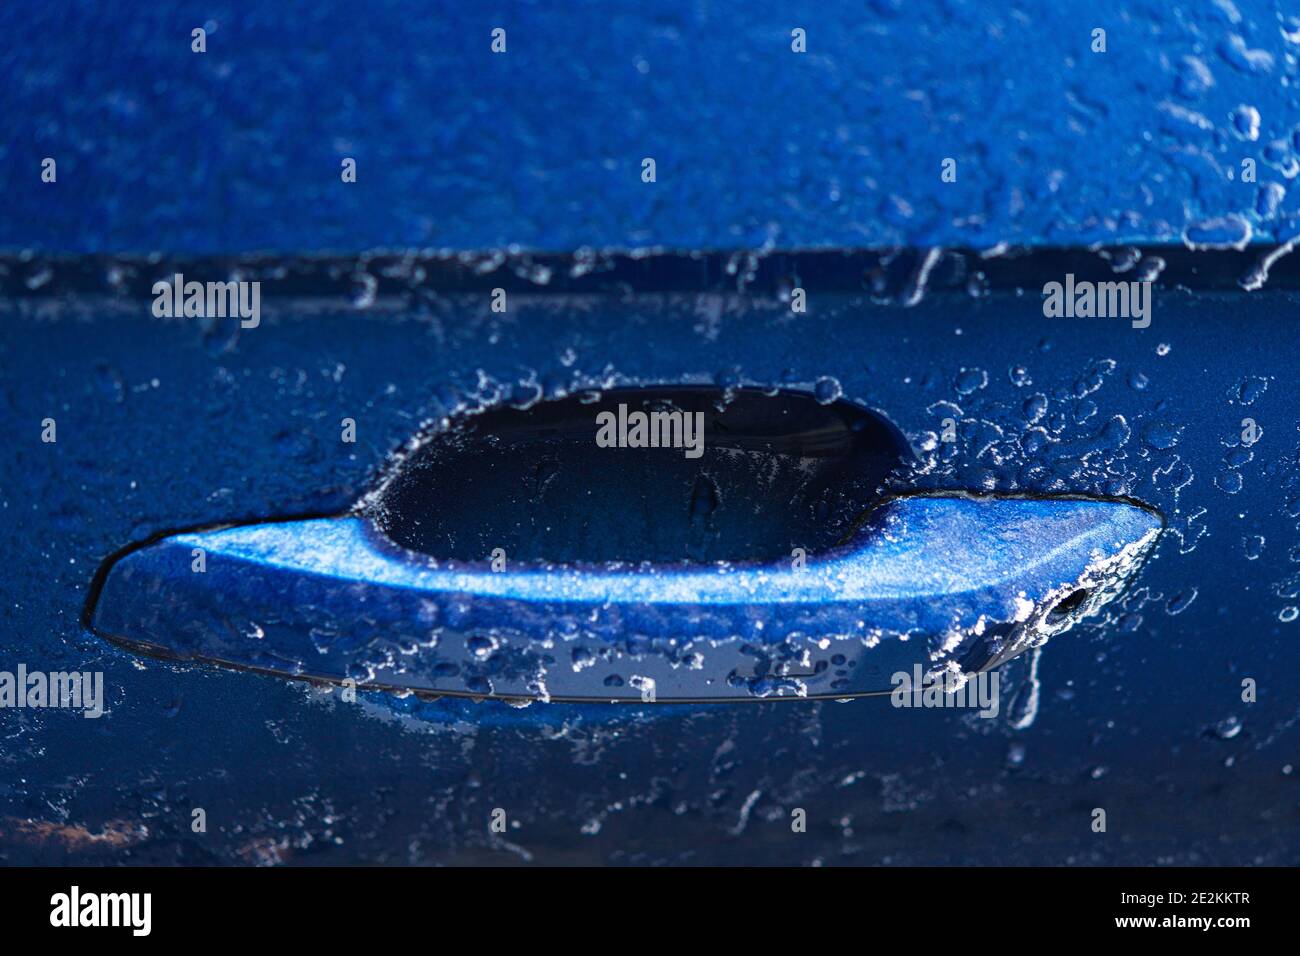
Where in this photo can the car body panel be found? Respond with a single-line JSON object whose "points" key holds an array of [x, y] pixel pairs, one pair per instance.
{"points": [[775, 171], [1137, 715]]}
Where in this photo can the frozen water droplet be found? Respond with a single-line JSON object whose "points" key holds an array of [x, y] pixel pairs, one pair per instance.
{"points": [[1161, 435], [1015, 756], [1251, 388], [971, 380], [1181, 602], [1122, 259], [1229, 482], [1245, 120], [1194, 78], [1228, 728], [827, 389], [1223, 232], [367, 289]]}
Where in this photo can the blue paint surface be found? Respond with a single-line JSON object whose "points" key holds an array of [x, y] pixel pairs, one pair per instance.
{"points": [[166, 424], [239, 149], [171, 424]]}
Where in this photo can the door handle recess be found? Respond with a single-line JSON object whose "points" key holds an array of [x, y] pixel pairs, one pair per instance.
{"points": [[951, 582]]}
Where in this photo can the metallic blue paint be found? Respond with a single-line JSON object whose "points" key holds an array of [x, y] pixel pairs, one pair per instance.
{"points": [[239, 149], [183, 424], [1138, 710]]}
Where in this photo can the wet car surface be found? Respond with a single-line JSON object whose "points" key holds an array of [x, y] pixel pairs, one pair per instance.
{"points": [[1170, 706], [1131, 711]]}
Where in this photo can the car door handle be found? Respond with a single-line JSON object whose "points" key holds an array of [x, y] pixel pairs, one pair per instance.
{"points": [[950, 582]]}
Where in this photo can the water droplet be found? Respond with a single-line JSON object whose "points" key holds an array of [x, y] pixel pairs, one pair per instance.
{"points": [[1228, 728], [1250, 388], [1161, 435], [1194, 78], [1237, 457], [971, 380], [366, 291], [1245, 120], [1181, 602], [827, 389], [1223, 232], [1229, 482], [1150, 268]]}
